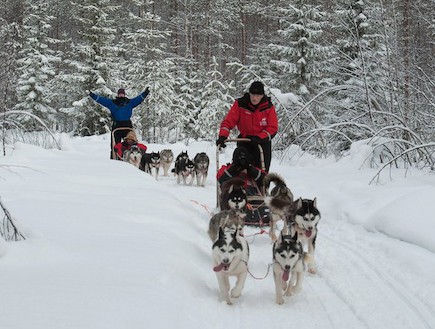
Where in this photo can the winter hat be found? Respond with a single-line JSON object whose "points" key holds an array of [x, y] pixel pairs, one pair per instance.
{"points": [[121, 91], [257, 88], [131, 135]]}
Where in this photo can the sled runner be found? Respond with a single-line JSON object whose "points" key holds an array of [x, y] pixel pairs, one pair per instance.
{"points": [[257, 213]]}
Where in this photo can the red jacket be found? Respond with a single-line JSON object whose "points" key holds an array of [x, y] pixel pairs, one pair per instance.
{"points": [[121, 147], [259, 120]]}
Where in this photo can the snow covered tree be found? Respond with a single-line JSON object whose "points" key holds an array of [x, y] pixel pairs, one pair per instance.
{"points": [[158, 117], [92, 59], [9, 48], [35, 63], [215, 102], [301, 57]]}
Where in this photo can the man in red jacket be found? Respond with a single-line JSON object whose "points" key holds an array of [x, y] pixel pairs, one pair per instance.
{"points": [[255, 117]]}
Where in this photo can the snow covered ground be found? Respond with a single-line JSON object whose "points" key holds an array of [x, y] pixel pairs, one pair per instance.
{"points": [[110, 247]]}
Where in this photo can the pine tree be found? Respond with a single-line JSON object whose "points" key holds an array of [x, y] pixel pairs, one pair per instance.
{"points": [[92, 61], [9, 48], [35, 63], [300, 58], [215, 102]]}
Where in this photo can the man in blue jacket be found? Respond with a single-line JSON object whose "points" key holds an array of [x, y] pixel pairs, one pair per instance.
{"points": [[121, 109]]}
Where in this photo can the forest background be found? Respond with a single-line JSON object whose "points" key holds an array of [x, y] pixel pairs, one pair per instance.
{"points": [[337, 71]]}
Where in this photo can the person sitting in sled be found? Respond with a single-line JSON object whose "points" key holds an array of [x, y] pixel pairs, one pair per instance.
{"points": [[127, 143], [242, 166], [121, 109]]}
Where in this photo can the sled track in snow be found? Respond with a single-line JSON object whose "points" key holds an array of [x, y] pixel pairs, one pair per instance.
{"points": [[378, 275]]}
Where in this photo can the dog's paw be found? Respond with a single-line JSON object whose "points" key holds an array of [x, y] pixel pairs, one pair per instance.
{"points": [[235, 293], [312, 270], [279, 300]]}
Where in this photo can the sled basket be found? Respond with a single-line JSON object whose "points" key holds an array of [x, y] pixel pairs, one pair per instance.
{"points": [[257, 213]]}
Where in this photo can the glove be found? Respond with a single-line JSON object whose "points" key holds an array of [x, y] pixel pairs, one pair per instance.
{"points": [[255, 140], [220, 142]]}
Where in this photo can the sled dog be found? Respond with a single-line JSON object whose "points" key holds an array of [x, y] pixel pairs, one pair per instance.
{"points": [[304, 222], [166, 158], [288, 266], [151, 164], [228, 220], [230, 258], [202, 161], [279, 200], [185, 169], [133, 156], [233, 195]]}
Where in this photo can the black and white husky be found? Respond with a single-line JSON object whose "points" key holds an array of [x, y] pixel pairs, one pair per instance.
{"points": [[133, 156], [151, 164], [279, 201], [202, 162], [304, 223], [288, 266], [230, 258], [233, 195], [166, 158], [228, 220], [185, 171]]}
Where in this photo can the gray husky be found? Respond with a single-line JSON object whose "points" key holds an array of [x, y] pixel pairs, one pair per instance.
{"points": [[228, 220], [202, 162], [304, 222], [166, 158], [230, 258], [279, 201], [288, 266]]}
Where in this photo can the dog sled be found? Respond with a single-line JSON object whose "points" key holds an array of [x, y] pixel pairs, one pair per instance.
{"points": [[115, 155], [257, 212]]}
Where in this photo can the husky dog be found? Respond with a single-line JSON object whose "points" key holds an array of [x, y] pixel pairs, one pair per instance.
{"points": [[166, 158], [182, 157], [202, 162], [230, 258], [183, 170], [151, 164], [133, 156], [279, 201], [288, 263], [304, 223], [233, 195], [231, 220]]}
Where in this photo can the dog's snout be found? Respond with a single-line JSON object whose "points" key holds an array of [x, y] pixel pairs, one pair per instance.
{"points": [[287, 267], [225, 261]]}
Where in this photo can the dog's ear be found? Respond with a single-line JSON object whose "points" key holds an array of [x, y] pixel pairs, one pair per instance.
{"points": [[315, 202], [295, 236], [299, 203], [280, 238], [221, 233]]}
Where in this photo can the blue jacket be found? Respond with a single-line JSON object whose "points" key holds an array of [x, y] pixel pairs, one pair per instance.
{"points": [[120, 108]]}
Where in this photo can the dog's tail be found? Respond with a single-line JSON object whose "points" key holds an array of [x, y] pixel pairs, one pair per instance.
{"points": [[275, 178]]}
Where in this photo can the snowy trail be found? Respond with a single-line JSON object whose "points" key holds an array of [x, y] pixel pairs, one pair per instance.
{"points": [[116, 248]]}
